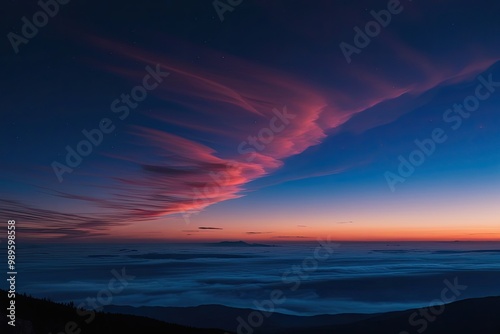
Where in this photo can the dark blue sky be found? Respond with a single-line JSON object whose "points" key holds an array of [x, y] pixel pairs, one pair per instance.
{"points": [[252, 125]]}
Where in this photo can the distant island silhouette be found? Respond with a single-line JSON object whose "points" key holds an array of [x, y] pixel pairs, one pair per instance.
{"points": [[237, 244]]}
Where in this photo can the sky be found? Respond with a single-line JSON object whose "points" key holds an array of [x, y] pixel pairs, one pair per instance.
{"points": [[178, 121]]}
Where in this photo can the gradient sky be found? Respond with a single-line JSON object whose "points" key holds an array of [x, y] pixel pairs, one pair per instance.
{"points": [[322, 173]]}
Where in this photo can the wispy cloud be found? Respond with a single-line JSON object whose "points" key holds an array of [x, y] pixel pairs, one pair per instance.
{"points": [[48, 224], [255, 233], [173, 173], [291, 237]]}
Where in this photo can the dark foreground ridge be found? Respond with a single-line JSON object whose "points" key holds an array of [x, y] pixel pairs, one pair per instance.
{"points": [[37, 316], [478, 315]]}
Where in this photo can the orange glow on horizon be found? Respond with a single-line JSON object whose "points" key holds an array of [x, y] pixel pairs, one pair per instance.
{"points": [[348, 232]]}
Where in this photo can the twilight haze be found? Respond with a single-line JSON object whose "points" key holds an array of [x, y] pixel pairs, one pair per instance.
{"points": [[190, 126]]}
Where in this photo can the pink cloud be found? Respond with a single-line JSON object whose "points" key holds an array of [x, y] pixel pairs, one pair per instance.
{"points": [[229, 101]]}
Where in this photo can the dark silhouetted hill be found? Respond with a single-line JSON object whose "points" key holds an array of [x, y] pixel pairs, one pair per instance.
{"points": [[479, 315], [37, 316]]}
